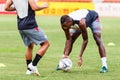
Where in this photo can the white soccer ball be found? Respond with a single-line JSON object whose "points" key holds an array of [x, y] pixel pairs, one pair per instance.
{"points": [[65, 64]]}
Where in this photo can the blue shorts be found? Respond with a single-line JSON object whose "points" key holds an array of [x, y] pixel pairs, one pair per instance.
{"points": [[35, 35], [95, 27]]}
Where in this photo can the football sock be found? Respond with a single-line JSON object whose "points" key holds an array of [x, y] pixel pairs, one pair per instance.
{"points": [[28, 62], [36, 59], [104, 61]]}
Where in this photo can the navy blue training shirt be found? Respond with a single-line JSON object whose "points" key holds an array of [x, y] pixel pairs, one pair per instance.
{"points": [[25, 15]]}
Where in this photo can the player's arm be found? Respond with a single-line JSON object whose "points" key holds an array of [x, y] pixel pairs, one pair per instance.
{"points": [[8, 6], [36, 7], [68, 42], [83, 28]]}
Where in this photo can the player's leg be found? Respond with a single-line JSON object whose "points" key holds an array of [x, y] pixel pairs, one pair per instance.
{"points": [[40, 53], [102, 52], [44, 46], [28, 54], [38, 37], [101, 48], [96, 29]]}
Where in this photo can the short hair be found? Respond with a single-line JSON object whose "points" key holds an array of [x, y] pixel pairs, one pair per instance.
{"points": [[64, 18]]}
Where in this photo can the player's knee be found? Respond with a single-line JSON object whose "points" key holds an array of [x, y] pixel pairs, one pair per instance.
{"points": [[46, 43], [31, 46], [98, 42]]}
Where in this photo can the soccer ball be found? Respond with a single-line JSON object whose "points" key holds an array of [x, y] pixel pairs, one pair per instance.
{"points": [[65, 64]]}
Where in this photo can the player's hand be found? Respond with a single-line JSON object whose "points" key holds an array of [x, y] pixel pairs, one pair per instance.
{"points": [[80, 61]]}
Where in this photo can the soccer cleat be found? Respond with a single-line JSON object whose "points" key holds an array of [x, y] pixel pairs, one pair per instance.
{"points": [[103, 70], [58, 68], [33, 69], [28, 72]]}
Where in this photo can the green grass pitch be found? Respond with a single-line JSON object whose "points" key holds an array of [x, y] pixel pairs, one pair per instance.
{"points": [[12, 52]]}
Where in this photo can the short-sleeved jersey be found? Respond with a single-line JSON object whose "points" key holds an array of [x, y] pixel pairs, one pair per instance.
{"points": [[89, 15], [25, 15]]}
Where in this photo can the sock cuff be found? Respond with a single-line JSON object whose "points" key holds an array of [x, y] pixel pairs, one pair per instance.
{"points": [[28, 62], [103, 58], [38, 55], [36, 59]]}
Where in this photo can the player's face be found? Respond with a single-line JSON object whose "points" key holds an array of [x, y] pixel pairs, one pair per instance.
{"points": [[68, 24]]}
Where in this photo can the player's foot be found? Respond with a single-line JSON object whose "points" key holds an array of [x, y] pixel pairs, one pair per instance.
{"points": [[58, 68], [28, 72], [80, 61], [103, 69], [34, 69]]}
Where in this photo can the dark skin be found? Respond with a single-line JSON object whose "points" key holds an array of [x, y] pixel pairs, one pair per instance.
{"points": [[70, 39]]}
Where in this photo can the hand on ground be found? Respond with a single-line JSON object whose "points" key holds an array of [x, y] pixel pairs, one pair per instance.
{"points": [[80, 61]]}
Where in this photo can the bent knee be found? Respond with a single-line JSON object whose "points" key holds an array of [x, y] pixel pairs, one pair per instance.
{"points": [[46, 43]]}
